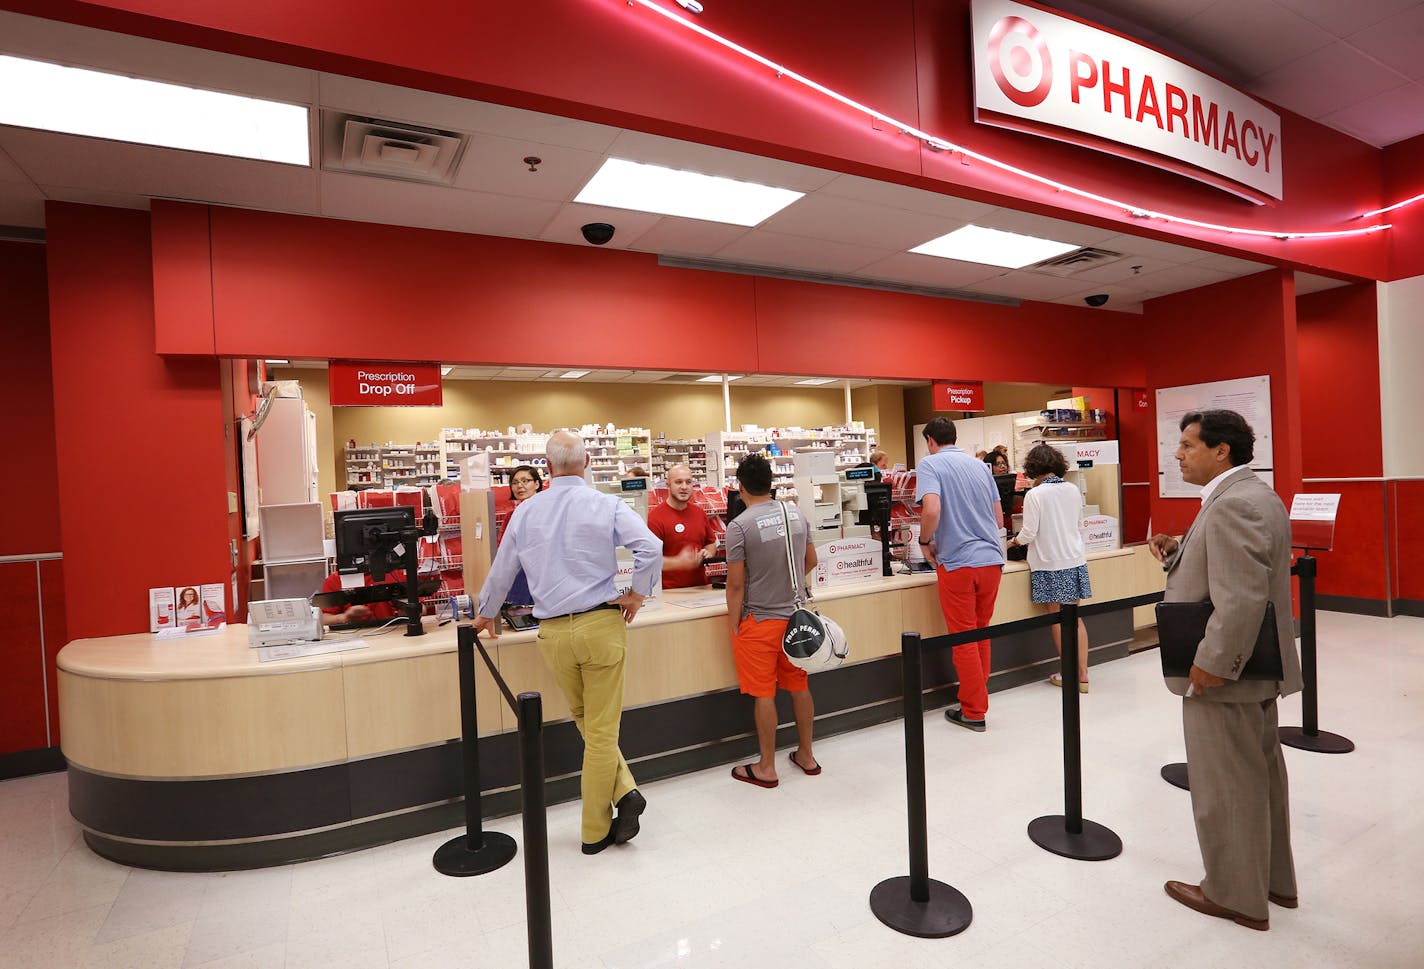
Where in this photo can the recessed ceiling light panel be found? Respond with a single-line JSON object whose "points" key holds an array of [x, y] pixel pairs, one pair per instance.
{"points": [[623, 184], [716, 378], [573, 374], [78, 101], [815, 381], [993, 247]]}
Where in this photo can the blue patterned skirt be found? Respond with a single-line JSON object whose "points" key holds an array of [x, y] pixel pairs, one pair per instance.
{"points": [[1064, 585]]}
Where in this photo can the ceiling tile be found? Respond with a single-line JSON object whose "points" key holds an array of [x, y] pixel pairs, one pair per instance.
{"points": [[1342, 18], [492, 164], [89, 196], [1152, 14], [686, 156], [21, 205], [922, 270], [763, 248], [1179, 278], [687, 237], [1327, 80], [858, 223], [1042, 227], [459, 114], [1396, 41], [1027, 285], [126, 169], [10, 172], [1230, 264], [1251, 37], [394, 202], [906, 198], [1385, 118], [627, 225], [1306, 283], [1124, 269], [1138, 246]]}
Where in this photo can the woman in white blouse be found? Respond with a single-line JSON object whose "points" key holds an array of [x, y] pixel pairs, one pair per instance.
{"points": [[1052, 511]]}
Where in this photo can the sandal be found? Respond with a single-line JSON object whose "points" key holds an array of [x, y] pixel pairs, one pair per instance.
{"points": [[812, 771], [745, 775]]}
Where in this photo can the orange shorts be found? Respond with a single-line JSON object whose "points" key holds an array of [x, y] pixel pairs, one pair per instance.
{"points": [[761, 664]]}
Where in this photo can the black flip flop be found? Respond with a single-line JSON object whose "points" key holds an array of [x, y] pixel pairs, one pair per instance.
{"points": [[811, 772], [750, 778]]}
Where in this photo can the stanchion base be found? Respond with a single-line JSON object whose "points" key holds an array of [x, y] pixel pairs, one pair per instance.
{"points": [[947, 912], [1176, 775], [1324, 742], [455, 858], [1094, 843]]}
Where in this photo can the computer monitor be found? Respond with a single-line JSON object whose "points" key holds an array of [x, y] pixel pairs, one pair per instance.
{"points": [[735, 505], [358, 542]]}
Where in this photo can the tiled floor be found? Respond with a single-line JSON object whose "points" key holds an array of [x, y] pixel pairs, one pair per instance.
{"points": [[727, 875]]}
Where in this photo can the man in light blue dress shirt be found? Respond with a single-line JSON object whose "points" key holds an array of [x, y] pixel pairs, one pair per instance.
{"points": [[565, 539]]}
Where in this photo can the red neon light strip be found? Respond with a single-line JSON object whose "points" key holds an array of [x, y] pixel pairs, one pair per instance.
{"points": [[936, 142]]}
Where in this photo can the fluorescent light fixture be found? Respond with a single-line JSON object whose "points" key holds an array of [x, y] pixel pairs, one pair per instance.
{"points": [[275, 360], [445, 371], [623, 184], [574, 374], [815, 381], [78, 101], [716, 378], [994, 247]]}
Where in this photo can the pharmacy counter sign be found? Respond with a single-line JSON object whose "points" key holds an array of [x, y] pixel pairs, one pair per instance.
{"points": [[1054, 76], [358, 384]]}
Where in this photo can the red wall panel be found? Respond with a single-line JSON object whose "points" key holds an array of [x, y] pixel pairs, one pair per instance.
{"points": [[1404, 179], [182, 279], [139, 437], [1240, 328], [613, 62], [812, 328], [22, 697], [1358, 565], [293, 286], [29, 492], [1340, 383], [1407, 542]]}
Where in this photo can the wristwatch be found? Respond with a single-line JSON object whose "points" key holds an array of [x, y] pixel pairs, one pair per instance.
{"points": [[930, 542]]}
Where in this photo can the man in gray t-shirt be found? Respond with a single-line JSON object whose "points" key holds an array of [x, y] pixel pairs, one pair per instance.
{"points": [[760, 598]]}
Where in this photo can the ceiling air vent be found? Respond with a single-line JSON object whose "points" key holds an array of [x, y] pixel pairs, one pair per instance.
{"points": [[1072, 263], [389, 149]]}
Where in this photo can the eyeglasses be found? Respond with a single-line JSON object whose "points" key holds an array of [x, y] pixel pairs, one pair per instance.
{"points": [[523, 481]]}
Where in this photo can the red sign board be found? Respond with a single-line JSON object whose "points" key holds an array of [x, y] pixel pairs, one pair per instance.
{"points": [[363, 384], [958, 395]]}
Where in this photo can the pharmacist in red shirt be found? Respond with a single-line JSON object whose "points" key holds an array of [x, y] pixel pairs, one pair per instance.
{"points": [[685, 532], [335, 615]]}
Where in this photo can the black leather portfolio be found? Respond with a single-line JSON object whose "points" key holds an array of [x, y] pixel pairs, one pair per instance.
{"points": [[1181, 626]]}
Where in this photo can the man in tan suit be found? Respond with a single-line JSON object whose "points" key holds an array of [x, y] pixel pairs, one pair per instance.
{"points": [[1237, 556]]}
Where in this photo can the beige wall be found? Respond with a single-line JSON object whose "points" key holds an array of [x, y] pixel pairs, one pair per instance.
{"points": [[1401, 348]]}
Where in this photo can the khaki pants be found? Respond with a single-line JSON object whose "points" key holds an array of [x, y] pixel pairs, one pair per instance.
{"points": [[585, 653]]}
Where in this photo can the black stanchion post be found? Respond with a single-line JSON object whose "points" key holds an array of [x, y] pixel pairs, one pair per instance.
{"points": [[1068, 834], [536, 831], [916, 904], [478, 851], [1309, 736]]}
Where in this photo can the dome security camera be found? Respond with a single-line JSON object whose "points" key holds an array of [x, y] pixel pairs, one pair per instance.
{"points": [[1097, 299], [598, 233]]}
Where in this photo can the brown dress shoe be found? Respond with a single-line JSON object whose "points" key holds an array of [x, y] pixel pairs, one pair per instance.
{"points": [[1284, 901], [1192, 897]]}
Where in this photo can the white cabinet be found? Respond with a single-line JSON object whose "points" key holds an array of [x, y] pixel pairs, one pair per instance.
{"points": [[286, 454]]}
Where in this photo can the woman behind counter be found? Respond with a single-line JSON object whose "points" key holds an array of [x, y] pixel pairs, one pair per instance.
{"points": [[524, 484], [1058, 563]]}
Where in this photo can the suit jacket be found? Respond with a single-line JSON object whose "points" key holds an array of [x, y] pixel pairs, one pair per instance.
{"points": [[1237, 556]]}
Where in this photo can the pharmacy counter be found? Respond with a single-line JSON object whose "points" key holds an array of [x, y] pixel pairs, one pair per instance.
{"points": [[196, 755]]}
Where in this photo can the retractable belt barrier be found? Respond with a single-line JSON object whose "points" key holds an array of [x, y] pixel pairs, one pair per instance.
{"points": [[477, 851], [917, 904]]}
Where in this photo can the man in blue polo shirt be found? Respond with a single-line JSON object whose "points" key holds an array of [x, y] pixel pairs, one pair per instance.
{"points": [[959, 512]]}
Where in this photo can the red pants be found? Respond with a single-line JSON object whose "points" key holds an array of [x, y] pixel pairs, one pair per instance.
{"points": [[967, 598]]}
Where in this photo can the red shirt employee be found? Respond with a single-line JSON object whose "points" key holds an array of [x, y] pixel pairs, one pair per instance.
{"points": [[358, 613], [685, 532]]}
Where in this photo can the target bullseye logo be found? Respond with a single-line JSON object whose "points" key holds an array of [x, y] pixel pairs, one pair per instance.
{"points": [[1019, 61]]}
